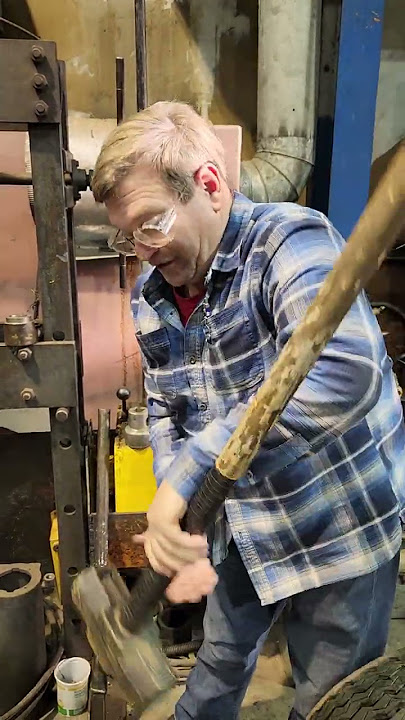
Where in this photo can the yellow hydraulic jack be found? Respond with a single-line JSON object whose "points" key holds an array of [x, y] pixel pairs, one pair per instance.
{"points": [[134, 481]]}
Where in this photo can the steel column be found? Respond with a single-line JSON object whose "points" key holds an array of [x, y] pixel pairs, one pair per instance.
{"points": [[56, 295], [319, 183], [33, 95], [356, 93]]}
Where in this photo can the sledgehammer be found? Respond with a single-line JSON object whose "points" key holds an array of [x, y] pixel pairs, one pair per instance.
{"points": [[120, 626]]}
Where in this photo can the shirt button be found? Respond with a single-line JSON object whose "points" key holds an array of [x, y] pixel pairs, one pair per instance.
{"points": [[203, 407], [193, 360]]}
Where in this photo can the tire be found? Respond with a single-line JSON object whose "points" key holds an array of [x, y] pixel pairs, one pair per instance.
{"points": [[375, 692]]}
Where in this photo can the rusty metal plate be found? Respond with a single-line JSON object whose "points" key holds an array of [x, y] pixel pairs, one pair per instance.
{"points": [[122, 551], [24, 63], [50, 375]]}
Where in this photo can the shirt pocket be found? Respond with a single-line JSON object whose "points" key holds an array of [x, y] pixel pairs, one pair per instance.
{"points": [[235, 361], [156, 351]]}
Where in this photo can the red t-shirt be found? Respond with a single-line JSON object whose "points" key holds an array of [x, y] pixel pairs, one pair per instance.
{"points": [[186, 305]]}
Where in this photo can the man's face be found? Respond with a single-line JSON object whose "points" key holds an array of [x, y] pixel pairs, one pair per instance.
{"points": [[194, 235]]}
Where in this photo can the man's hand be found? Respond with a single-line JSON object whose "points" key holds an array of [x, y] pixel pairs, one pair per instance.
{"points": [[167, 547], [193, 582]]}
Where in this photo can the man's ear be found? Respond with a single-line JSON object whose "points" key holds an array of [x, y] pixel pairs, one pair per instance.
{"points": [[208, 179]]}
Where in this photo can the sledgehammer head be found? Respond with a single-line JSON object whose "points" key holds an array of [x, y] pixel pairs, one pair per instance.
{"points": [[135, 661]]}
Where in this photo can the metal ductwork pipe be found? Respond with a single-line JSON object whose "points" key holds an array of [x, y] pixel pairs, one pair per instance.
{"points": [[288, 55]]}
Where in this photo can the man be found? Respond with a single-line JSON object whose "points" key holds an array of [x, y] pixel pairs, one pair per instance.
{"points": [[317, 518]]}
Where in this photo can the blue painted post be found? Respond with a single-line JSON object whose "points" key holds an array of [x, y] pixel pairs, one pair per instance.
{"points": [[356, 93]]}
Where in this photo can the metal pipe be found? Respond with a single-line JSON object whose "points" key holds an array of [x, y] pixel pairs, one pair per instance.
{"points": [[22, 632], [102, 490], [14, 179], [97, 692], [119, 100], [287, 70], [25, 179], [119, 87], [140, 53]]}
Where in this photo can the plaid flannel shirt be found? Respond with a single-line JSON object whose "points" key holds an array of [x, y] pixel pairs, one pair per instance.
{"points": [[322, 500]]}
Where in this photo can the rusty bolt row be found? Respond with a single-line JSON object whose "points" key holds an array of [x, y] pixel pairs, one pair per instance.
{"points": [[39, 80]]}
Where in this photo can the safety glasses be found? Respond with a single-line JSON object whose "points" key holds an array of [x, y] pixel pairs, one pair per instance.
{"points": [[152, 234]]}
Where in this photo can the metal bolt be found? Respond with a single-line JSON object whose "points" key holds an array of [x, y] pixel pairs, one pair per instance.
{"points": [[27, 394], [41, 108], [62, 414], [48, 583], [24, 354], [39, 81], [37, 53]]}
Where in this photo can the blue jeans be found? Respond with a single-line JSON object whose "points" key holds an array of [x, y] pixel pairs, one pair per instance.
{"points": [[331, 631]]}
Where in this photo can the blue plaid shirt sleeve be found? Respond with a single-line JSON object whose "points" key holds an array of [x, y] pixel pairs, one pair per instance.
{"points": [[340, 390]]}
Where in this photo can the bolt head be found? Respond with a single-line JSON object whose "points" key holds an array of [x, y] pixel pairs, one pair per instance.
{"points": [[24, 354], [62, 414], [37, 53], [27, 394], [41, 108], [39, 81]]}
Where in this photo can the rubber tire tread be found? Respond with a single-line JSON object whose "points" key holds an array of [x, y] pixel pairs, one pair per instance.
{"points": [[375, 692]]}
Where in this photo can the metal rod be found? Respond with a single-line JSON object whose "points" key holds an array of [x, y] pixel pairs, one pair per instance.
{"points": [[120, 100], [140, 53], [25, 179], [119, 87], [123, 271], [71, 247], [102, 492], [97, 692], [15, 179]]}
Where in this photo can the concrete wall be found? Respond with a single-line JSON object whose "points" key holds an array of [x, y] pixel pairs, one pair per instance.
{"points": [[390, 111], [199, 52]]}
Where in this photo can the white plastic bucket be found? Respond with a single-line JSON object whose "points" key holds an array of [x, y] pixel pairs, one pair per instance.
{"points": [[72, 679]]}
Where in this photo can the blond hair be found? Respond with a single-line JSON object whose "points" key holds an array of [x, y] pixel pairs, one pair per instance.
{"points": [[167, 136]]}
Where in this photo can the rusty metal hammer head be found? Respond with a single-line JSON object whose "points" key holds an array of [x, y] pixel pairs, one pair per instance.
{"points": [[135, 660]]}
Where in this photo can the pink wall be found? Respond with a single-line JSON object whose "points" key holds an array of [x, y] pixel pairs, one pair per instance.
{"points": [[110, 352]]}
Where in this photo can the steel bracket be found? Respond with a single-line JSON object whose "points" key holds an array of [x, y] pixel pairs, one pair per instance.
{"points": [[50, 374], [30, 88]]}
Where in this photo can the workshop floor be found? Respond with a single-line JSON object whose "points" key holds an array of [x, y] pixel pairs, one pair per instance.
{"points": [[267, 698]]}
